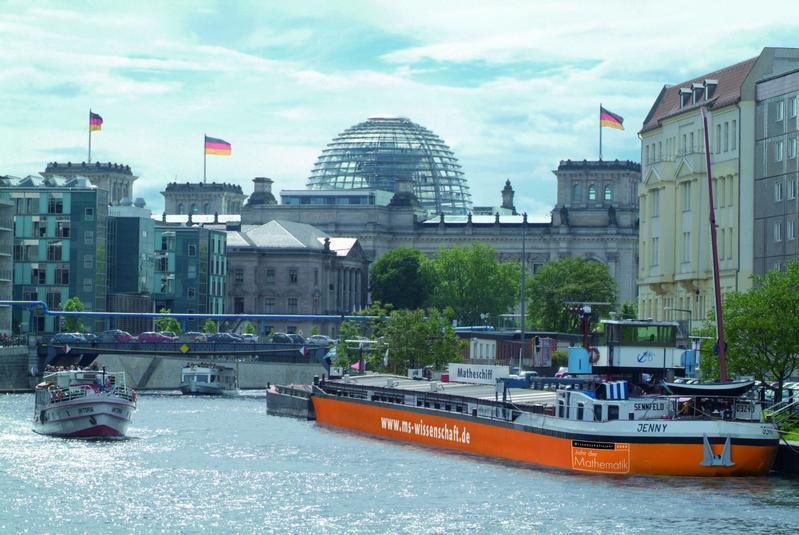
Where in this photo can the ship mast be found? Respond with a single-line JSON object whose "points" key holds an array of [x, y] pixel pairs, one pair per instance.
{"points": [[714, 247]]}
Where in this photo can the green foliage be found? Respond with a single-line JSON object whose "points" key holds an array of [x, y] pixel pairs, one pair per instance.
{"points": [[348, 353], [167, 324], [472, 281], [209, 326], [560, 358], [249, 328], [399, 278], [415, 338], [629, 310], [314, 330], [73, 324], [760, 327], [569, 279]]}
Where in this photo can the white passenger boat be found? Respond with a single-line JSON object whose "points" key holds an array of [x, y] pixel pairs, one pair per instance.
{"points": [[208, 379], [83, 404]]}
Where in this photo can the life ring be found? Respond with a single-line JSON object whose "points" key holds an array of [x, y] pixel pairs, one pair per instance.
{"points": [[593, 355]]}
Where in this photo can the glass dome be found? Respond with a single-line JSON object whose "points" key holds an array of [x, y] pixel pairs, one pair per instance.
{"points": [[374, 153]]}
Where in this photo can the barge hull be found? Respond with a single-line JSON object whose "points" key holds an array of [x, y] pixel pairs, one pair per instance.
{"points": [[653, 455]]}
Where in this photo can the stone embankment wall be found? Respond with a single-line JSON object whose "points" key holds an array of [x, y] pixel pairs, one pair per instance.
{"points": [[146, 372], [14, 371]]}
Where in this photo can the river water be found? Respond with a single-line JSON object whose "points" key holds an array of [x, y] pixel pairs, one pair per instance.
{"points": [[203, 465]]}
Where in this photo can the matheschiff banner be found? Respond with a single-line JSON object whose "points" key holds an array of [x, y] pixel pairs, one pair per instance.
{"points": [[476, 373]]}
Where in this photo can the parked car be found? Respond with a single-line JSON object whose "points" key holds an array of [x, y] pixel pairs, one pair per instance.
{"points": [[224, 338], [92, 338], [116, 335], [247, 337], [67, 338], [169, 334], [150, 337], [193, 337], [320, 340], [281, 338], [296, 338], [563, 371]]}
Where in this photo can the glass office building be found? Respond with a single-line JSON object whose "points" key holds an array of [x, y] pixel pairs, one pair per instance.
{"points": [[377, 152]]}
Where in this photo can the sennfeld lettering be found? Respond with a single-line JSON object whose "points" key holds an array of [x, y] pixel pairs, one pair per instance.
{"points": [[445, 432], [650, 406]]}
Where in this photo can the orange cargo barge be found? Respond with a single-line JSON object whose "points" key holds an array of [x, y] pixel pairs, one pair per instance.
{"points": [[577, 433]]}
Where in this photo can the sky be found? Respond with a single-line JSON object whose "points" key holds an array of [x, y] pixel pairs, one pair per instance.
{"points": [[513, 87]]}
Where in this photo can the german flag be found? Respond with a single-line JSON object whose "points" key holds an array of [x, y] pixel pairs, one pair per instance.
{"points": [[95, 122], [610, 119], [220, 147]]}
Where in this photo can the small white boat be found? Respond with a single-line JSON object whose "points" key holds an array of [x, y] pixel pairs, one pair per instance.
{"points": [[208, 379], [83, 404], [728, 388]]}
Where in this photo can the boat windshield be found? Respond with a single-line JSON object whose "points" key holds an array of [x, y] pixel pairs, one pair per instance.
{"points": [[642, 335]]}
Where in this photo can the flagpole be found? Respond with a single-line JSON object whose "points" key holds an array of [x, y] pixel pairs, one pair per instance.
{"points": [[600, 131], [90, 136], [205, 158]]}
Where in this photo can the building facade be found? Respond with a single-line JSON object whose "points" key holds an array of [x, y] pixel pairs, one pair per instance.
{"points": [[189, 271], [60, 245], [591, 225], [776, 172], [202, 198], [6, 261], [116, 179], [675, 278], [284, 267]]}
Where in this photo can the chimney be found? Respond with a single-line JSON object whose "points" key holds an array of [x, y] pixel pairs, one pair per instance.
{"points": [[262, 184]]}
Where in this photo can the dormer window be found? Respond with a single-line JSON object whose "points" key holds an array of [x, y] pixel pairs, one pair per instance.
{"points": [[697, 92], [710, 88], [685, 97]]}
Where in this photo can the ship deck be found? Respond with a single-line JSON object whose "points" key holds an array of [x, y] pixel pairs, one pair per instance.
{"points": [[468, 390]]}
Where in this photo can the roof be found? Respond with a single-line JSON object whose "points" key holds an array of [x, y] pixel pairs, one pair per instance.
{"points": [[202, 186], [33, 181], [487, 219], [727, 92], [87, 168], [341, 246], [197, 219], [278, 234]]}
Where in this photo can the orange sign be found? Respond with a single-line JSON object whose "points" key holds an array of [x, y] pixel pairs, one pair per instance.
{"points": [[605, 457]]}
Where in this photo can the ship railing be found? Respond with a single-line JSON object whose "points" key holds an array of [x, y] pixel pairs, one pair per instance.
{"points": [[783, 414], [685, 407]]}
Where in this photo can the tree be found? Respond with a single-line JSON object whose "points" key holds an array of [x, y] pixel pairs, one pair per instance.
{"points": [[399, 278], [73, 324], [472, 282], [760, 327], [249, 328], [629, 310], [415, 338], [167, 324], [209, 326], [314, 330], [348, 353], [571, 279]]}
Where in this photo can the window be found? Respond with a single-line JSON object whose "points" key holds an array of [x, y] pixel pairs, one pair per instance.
{"points": [[684, 143], [591, 192], [686, 246], [655, 203], [777, 191], [726, 136], [192, 250], [62, 274], [53, 299], [269, 305], [718, 138], [238, 305], [180, 208], [88, 285], [792, 107], [778, 151], [292, 276], [686, 196], [780, 111], [205, 208], [191, 292], [576, 193], [655, 255], [660, 150], [88, 237], [292, 305], [38, 276], [62, 229], [734, 137], [291, 329], [191, 271], [721, 234], [791, 230], [270, 275], [89, 214], [162, 264], [54, 251], [88, 261], [792, 148], [608, 193], [732, 243], [792, 189], [55, 205], [613, 412], [238, 275], [778, 231]]}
